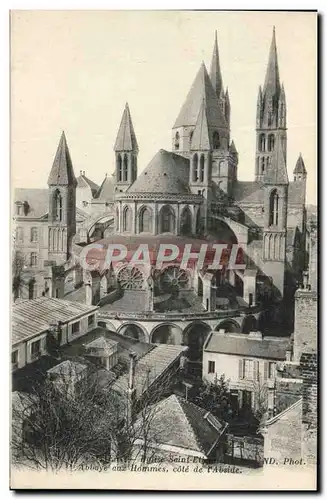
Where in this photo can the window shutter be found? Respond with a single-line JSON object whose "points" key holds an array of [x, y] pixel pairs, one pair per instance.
{"points": [[256, 370], [241, 368], [266, 368]]}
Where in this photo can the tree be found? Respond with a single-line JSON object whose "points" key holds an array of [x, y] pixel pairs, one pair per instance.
{"points": [[214, 397], [18, 264], [66, 422]]}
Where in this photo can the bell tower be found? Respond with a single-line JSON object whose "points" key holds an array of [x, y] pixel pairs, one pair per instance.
{"points": [[271, 116], [126, 151], [62, 205]]}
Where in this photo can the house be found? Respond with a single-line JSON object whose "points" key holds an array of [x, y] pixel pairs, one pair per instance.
{"points": [[248, 361], [178, 430], [39, 323]]}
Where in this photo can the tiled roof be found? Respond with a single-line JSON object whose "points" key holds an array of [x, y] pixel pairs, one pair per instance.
{"points": [[248, 192], [62, 172], [106, 190], [31, 317], [243, 345], [101, 343], [180, 423], [166, 173], [37, 200], [67, 368], [201, 89], [150, 367], [126, 139]]}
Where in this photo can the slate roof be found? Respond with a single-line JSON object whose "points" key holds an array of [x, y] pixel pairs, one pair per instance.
{"points": [[201, 89], [62, 172], [248, 192], [126, 138], [243, 345], [37, 199], [150, 367], [106, 190], [181, 423], [299, 166], [31, 317], [83, 181], [166, 173]]}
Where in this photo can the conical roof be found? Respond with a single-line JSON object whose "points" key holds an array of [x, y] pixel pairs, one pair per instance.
{"points": [[126, 138], [201, 89], [62, 172], [201, 139], [299, 167], [215, 73], [277, 171], [272, 83], [166, 173]]}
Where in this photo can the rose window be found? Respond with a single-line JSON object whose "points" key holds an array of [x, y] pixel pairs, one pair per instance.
{"points": [[173, 278], [130, 278]]}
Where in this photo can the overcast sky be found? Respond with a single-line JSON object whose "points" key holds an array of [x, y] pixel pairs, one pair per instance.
{"points": [[74, 71]]}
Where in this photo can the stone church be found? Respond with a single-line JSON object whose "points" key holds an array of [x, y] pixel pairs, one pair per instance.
{"points": [[192, 194]]}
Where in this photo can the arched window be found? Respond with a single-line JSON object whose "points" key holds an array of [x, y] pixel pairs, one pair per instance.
{"points": [[262, 142], [216, 140], [262, 165], [57, 201], [177, 140], [273, 208], [221, 168], [201, 168], [271, 142], [145, 221], [195, 168], [119, 168], [186, 222], [127, 219], [125, 169], [167, 219]]}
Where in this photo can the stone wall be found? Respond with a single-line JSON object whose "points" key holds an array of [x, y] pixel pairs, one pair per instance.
{"points": [[305, 322], [308, 364]]}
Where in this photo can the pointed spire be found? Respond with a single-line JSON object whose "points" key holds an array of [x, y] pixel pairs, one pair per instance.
{"points": [[201, 89], [126, 138], [62, 172], [201, 139], [300, 167], [215, 73], [272, 84], [277, 171], [259, 100], [233, 149]]}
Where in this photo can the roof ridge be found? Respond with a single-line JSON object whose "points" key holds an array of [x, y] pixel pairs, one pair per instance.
{"points": [[183, 400]]}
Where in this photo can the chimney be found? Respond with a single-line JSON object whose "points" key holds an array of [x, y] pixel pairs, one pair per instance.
{"points": [[80, 172], [131, 389]]}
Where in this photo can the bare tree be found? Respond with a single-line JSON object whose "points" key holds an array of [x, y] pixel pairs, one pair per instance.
{"points": [[66, 422]]}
